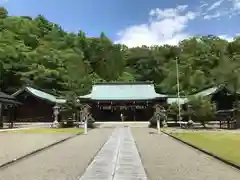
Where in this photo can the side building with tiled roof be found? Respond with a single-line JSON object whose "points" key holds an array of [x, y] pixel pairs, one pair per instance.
{"points": [[222, 96], [8, 104], [36, 105]]}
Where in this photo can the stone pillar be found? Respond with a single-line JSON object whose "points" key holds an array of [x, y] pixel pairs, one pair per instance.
{"points": [[85, 115], [1, 117], [81, 116]]}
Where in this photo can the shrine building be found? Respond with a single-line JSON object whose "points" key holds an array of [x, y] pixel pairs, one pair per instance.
{"points": [[134, 100], [36, 105]]}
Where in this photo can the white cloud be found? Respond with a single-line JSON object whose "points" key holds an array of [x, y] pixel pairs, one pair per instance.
{"points": [[212, 16], [226, 37], [220, 8], [166, 26], [236, 4], [203, 5], [215, 5]]}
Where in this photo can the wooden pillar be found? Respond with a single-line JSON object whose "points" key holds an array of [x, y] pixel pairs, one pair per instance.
{"points": [[12, 111], [238, 123], [1, 115], [77, 115], [10, 116], [134, 115]]}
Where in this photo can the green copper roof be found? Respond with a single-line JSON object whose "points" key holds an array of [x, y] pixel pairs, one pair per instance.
{"points": [[87, 96], [41, 94], [203, 93], [7, 99], [123, 91], [6, 96], [207, 92]]}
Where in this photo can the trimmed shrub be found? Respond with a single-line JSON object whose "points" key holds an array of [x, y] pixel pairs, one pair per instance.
{"points": [[172, 112], [202, 109], [91, 123], [67, 124], [153, 122]]}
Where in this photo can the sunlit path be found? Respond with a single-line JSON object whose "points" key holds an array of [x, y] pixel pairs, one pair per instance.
{"points": [[117, 160]]}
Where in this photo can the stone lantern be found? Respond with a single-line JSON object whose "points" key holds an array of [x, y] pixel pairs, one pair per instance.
{"points": [[56, 110], [164, 123]]}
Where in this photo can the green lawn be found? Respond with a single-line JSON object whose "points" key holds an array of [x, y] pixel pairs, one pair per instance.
{"points": [[223, 144], [49, 131]]}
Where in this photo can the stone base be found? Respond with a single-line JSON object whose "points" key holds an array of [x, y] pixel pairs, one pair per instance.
{"points": [[55, 125]]}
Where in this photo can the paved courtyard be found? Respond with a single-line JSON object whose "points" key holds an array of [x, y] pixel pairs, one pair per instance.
{"points": [[121, 153]]}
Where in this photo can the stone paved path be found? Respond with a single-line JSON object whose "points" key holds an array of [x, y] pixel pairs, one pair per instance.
{"points": [[117, 160]]}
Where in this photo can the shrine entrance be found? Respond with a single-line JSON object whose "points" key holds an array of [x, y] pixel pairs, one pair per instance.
{"points": [[131, 101], [128, 113]]}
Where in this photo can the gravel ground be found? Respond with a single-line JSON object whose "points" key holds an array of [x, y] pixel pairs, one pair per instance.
{"points": [[15, 145], [66, 161], [27, 124], [167, 159]]}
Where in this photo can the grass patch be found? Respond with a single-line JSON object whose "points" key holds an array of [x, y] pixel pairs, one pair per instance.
{"points": [[49, 131], [223, 144]]}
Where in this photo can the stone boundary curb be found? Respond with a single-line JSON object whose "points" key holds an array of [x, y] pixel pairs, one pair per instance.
{"points": [[145, 169], [204, 151], [38, 150], [92, 159], [18, 129]]}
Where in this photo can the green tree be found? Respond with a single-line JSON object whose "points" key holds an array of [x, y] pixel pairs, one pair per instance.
{"points": [[3, 13], [38, 52], [203, 110], [173, 111]]}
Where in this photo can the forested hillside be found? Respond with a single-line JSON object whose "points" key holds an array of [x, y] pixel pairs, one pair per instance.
{"points": [[40, 53]]}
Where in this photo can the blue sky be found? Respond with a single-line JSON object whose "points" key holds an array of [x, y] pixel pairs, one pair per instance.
{"points": [[137, 22]]}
